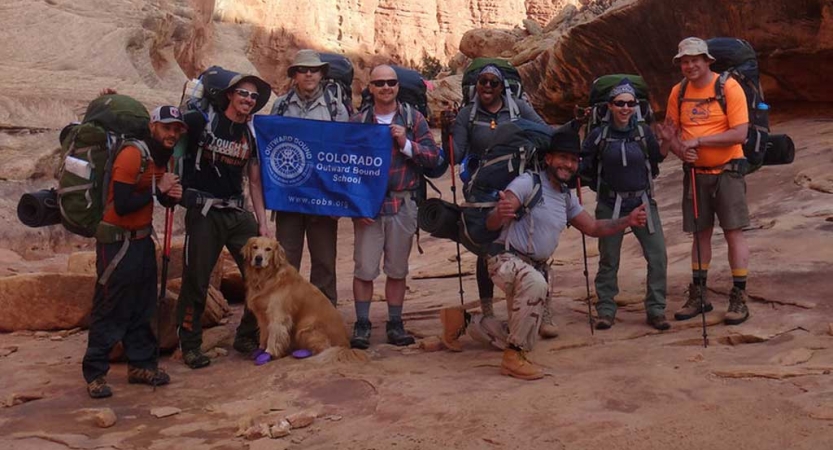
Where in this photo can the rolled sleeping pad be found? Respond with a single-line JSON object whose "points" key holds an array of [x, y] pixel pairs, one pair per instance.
{"points": [[439, 218], [39, 209], [780, 149]]}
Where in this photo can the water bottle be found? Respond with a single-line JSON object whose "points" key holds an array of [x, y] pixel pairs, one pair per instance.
{"points": [[762, 114]]}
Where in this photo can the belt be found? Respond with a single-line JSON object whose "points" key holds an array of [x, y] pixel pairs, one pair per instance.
{"points": [[740, 165], [109, 234], [193, 198], [496, 248]]}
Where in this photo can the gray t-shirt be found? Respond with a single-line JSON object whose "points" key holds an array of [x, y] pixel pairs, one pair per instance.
{"points": [[547, 219]]}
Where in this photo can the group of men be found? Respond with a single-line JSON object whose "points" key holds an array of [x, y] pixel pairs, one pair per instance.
{"points": [[222, 152]]}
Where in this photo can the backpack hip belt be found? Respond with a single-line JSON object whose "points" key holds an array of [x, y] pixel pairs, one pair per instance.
{"points": [[644, 194], [110, 234], [739, 165], [193, 198], [496, 248]]}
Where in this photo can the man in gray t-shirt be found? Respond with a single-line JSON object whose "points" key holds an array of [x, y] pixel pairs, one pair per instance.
{"points": [[520, 253]]}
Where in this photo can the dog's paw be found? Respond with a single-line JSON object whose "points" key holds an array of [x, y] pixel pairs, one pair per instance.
{"points": [[256, 353]]}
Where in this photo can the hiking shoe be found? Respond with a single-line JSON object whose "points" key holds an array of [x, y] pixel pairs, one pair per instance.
{"points": [[454, 325], [98, 388], [692, 306], [151, 377], [486, 307], [604, 322], [547, 330], [361, 334], [397, 334], [195, 359], [516, 365], [738, 311], [245, 345], [659, 322]]}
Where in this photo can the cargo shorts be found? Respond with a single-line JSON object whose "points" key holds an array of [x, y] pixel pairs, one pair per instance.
{"points": [[722, 194], [391, 235]]}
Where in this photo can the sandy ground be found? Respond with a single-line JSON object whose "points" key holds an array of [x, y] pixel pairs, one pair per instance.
{"points": [[765, 384]]}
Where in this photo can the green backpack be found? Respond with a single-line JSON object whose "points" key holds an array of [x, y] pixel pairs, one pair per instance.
{"points": [[88, 150]]}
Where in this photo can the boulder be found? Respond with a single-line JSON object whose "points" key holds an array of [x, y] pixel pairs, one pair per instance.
{"points": [[483, 42], [45, 301], [81, 263]]}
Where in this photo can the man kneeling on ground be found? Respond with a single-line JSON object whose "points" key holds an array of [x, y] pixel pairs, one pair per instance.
{"points": [[518, 257]]}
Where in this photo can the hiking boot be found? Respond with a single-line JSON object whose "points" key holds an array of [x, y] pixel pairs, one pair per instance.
{"points": [[361, 335], [516, 365], [738, 312], [152, 377], [195, 359], [454, 325], [98, 388], [397, 334], [604, 322], [547, 330], [659, 322], [245, 345], [692, 306], [486, 307]]}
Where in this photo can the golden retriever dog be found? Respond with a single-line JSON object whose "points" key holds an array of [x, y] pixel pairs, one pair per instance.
{"points": [[291, 313]]}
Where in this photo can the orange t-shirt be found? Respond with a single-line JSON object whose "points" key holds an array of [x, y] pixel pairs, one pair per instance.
{"points": [[701, 117], [125, 170]]}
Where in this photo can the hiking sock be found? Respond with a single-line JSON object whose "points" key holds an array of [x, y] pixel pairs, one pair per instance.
{"points": [[739, 278], [362, 310], [394, 312], [699, 274]]}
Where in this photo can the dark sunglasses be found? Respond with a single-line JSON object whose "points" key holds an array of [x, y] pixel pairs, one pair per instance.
{"points": [[487, 82], [308, 69], [622, 103], [380, 83], [245, 93]]}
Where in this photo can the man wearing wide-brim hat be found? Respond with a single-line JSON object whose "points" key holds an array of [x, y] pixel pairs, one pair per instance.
{"points": [[709, 137], [222, 153], [309, 99]]}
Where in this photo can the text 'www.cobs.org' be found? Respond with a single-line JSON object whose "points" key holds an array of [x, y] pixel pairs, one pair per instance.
{"points": [[317, 201]]}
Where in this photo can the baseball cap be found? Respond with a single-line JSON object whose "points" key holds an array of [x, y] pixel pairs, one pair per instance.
{"points": [[167, 114]]}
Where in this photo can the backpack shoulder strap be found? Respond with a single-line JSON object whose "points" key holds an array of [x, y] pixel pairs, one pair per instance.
{"points": [[680, 97], [332, 102], [719, 89], [284, 103]]}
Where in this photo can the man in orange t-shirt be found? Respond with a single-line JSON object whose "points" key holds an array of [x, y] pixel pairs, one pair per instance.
{"points": [[125, 292], [701, 134]]}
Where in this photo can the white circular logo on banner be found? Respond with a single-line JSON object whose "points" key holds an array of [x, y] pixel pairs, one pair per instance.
{"points": [[288, 161]]}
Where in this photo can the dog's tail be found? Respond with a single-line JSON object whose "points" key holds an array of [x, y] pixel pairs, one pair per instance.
{"points": [[340, 354]]}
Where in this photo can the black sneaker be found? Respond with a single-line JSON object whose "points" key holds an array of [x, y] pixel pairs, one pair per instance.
{"points": [[605, 322], [245, 345], [658, 322], [397, 335], [361, 334], [195, 359], [98, 388]]}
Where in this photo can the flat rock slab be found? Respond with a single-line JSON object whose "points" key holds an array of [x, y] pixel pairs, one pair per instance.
{"points": [[792, 357], [45, 301], [165, 411]]}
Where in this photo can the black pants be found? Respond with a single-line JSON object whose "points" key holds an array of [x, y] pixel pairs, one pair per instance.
{"points": [[485, 286], [122, 308], [204, 241]]}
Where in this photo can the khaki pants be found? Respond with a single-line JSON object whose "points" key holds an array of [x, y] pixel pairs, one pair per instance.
{"points": [[526, 291]]}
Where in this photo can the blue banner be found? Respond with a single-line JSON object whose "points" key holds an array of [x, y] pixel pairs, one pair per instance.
{"points": [[324, 168]]}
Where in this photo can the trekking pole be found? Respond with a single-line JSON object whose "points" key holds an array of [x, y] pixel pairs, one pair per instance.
{"points": [[586, 273], [697, 251], [454, 199], [163, 284]]}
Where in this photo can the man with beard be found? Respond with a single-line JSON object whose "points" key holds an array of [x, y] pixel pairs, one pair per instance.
{"points": [[125, 295], [308, 99], [472, 136], [518, 257], [224, 149]]}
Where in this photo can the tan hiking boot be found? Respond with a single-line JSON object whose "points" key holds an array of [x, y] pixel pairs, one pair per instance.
{"points": [[692, 306], [547, 330], [454, 325], [516, 365], [486, 307], [738, 311]]}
